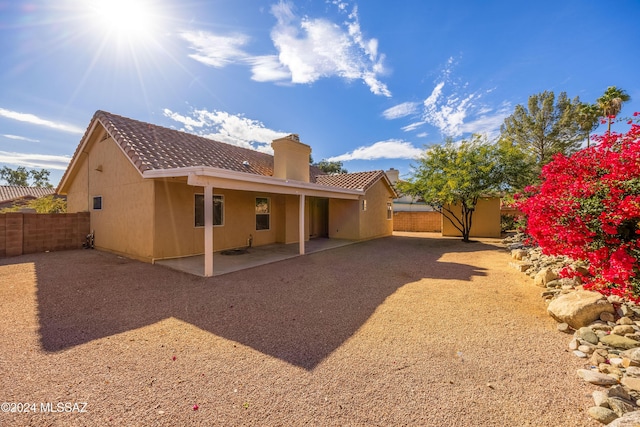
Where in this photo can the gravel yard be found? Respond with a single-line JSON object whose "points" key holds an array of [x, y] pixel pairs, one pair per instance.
{"points": [[406, 330]]}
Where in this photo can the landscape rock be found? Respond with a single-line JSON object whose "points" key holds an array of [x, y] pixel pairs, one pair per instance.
{"points": [[618, 391], [600, 398], [579, 308], [633, 355], [544, 276], [625, 321], [596, 378], [607, 317], [518, 254], [618, 341], [603, 415], [623, 329], [630, 419], [621, 406], [631, 383], [585, 333], [632, 371]]}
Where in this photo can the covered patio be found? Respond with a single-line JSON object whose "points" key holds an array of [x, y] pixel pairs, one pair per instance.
{"points": [[253, 257]]}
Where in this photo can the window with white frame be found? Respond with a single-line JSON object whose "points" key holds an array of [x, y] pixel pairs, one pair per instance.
{"points": [[218, 210], [389, 210], [364, 204], [263, 213]]}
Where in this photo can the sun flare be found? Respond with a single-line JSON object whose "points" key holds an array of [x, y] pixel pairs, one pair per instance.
{"points": [[130, 19]]}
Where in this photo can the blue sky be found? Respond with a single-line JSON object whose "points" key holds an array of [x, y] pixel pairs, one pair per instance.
{"points": [[369, 83]]}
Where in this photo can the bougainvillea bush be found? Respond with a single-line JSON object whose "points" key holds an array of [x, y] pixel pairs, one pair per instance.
{"points": [[588, 208]]}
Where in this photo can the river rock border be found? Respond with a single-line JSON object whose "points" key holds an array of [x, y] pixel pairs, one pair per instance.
{"points": [[605, 332]]}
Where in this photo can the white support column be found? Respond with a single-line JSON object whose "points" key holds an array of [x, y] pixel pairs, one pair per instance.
{"points": [[301, 235], [208, 231]]}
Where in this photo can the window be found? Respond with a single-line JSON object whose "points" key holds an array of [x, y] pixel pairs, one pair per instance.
{"points": [[218, 210], [263, 213], [97, 203], [389, 210], [364, 204]]}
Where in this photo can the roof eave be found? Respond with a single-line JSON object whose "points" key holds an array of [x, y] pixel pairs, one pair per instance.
{"points": [[223, 178]]}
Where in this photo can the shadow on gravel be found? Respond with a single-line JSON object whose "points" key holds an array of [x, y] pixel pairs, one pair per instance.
{"points": [[299, 310]]}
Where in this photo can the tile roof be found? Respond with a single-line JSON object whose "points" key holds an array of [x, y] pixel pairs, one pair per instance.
{"points": [[13, 192], [352, 181], [153, 147]]}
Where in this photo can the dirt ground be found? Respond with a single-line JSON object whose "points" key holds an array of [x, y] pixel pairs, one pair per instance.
{"points": [[406, 330]]}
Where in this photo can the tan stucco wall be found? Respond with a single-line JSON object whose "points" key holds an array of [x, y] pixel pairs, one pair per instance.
{"points": [[125, 222], [485, 220], [176, 234], [373, 221], [290, 159], [78, 196], [344, 219]]}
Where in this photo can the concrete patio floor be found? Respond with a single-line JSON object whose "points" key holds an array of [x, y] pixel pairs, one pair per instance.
{"points": [[255, 256]]}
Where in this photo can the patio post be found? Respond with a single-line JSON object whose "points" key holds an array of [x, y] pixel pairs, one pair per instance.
{"points": [[208, 231], [301, 225]]}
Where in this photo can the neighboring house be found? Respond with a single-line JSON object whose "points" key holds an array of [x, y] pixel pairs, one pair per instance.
{"points": [[146, 188], [12, 195]]}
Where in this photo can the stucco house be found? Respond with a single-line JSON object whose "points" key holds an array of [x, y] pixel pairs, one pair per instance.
{"points": [[12, 195], [157, 193]]}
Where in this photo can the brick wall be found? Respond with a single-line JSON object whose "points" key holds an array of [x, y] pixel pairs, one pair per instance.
{"points": [[417, 221], [25, 233]]}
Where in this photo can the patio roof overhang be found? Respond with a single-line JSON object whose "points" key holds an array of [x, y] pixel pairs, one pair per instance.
{"points": [[210, 178], [202, 176]]}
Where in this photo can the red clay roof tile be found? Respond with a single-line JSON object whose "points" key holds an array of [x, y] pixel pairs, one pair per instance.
{"points": [[152, 147]]}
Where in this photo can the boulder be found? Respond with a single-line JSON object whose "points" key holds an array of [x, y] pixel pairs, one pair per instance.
{"points": [[579, 308], [630, 419], [544, 276]]}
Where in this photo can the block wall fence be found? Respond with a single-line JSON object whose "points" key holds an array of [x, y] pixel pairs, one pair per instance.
{"points": [[25, 233], [417, 221]]}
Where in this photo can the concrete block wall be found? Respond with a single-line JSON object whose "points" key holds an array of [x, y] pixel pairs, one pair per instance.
{"points": [[417, 221], [24, 233]]}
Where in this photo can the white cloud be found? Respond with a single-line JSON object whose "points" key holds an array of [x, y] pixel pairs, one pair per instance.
{"points": [[20, 138], [316, 48], [232, 129], [35, 160], [413, 126], [215, 50], [268, 68], [307, 50], [400, 110], [456, 112], [35, 120], [390, 149], [488, 122]]}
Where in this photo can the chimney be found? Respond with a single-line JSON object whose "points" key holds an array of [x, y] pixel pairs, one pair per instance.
{"points": [[291, 158], [393, 175]]}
